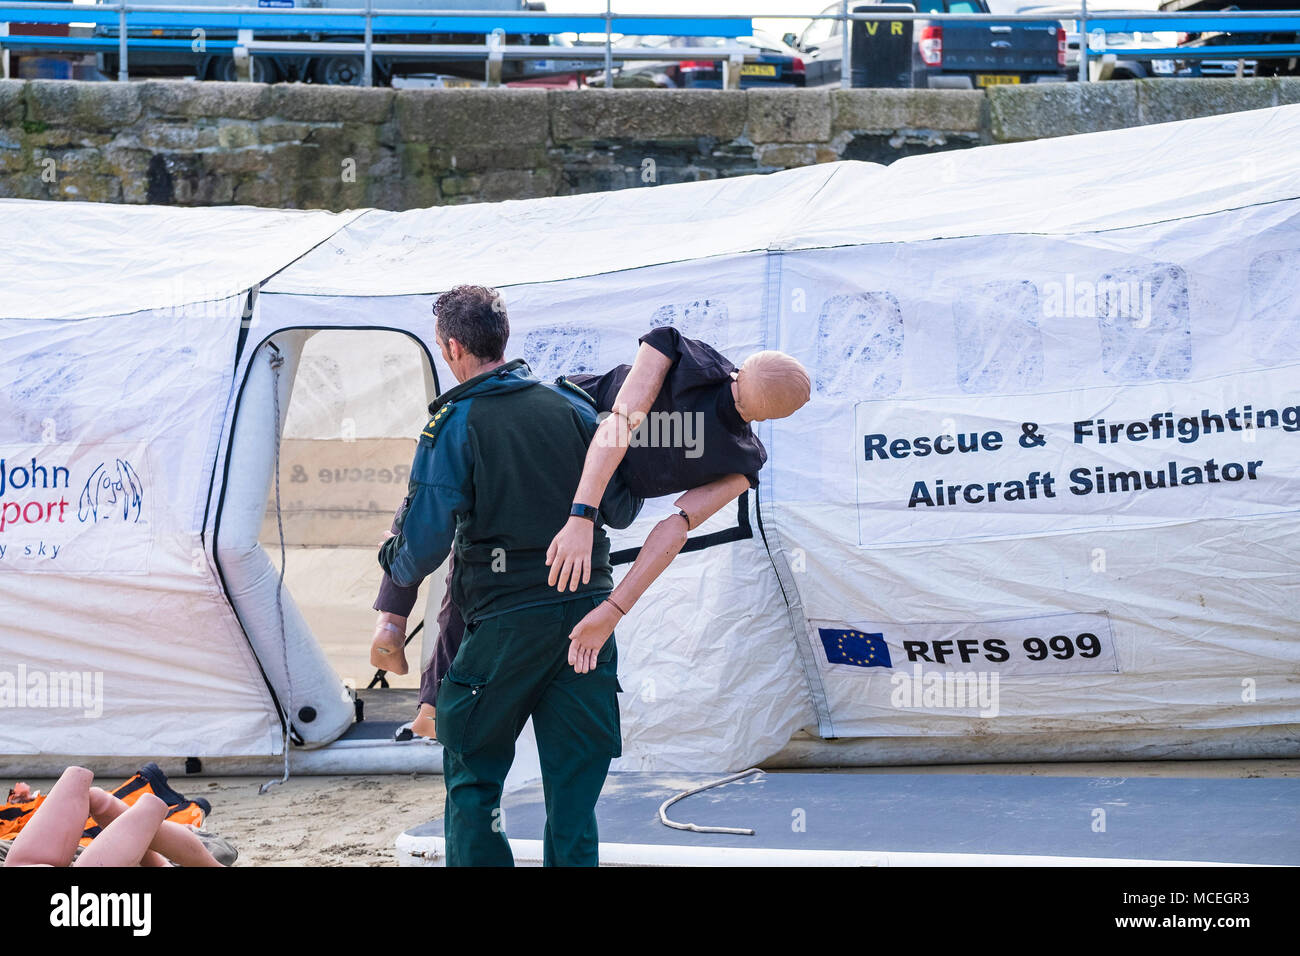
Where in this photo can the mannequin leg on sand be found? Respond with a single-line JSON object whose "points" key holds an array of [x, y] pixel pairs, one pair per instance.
{"points": [[173, 842], [51, 835], [125, 841], [132, 835]]}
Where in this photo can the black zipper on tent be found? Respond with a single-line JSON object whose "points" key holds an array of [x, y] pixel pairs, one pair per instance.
{"points": [[245, 322], [225, 471]]}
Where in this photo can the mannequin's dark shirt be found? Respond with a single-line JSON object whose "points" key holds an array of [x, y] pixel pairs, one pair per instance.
{"points": [[698, 384]]}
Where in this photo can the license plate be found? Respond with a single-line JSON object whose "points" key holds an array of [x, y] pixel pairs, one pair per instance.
{"points": [[995, 79], [758, 69], [557, 66]]}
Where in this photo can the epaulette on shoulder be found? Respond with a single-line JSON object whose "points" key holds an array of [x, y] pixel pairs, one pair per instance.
{"points": [[430, 433], [563, 382]]}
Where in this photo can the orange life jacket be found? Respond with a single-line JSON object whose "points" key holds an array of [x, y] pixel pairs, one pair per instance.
{"points": [[150, 779]]}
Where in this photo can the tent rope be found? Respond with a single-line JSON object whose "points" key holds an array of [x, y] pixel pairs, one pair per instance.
{"points": [[277, 362], [694, 827]]}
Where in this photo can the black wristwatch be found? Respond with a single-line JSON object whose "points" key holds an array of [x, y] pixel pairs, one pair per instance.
{"points": [[584, 511]]}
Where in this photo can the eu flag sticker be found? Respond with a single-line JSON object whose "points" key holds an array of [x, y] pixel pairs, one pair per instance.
{"points": [[855, 648]]}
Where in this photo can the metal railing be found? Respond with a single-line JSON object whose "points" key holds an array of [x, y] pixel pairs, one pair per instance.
{"points": [[369, 21]]}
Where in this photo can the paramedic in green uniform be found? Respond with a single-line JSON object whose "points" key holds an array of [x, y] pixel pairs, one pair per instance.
{"points": [[494, 474]]}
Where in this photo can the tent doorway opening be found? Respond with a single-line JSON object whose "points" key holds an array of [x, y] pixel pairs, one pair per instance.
{"points": [[358, 402], [333, 414]]}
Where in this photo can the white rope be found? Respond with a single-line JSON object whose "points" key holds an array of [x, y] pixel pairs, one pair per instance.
{"points": [[277, 360], [695, 828]]}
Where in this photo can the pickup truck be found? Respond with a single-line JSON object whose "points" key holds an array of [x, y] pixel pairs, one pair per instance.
{"points": [[945, 54], [1131, 64], [1285, 64]]}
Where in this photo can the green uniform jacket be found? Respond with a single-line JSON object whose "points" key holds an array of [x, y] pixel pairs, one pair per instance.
{"points": [[494, 474]]}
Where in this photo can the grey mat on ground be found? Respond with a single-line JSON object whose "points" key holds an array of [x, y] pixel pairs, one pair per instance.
{"points": [[390, 703], [1225, 821], [373, 730]]}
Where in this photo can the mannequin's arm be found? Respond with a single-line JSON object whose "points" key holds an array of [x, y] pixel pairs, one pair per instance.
{"points": [[569, 556], [668, 537], [664, 543], [631, 405]]}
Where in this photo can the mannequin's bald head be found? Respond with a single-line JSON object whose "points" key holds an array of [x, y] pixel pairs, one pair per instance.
{"points": [[771, 385]]}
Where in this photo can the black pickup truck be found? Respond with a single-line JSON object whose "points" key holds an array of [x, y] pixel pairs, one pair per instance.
{"points": [[951, 54], [1284, 64]]}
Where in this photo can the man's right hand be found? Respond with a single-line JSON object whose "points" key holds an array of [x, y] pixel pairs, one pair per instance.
{"points": [[569, 556]]}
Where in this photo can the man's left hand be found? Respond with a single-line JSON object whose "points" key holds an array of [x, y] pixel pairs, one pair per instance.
{"points": [[586, 640]]}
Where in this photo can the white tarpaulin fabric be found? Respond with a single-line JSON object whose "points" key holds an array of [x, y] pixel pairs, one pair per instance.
{"points": [[975, 322], [965, 483], [71, 260], [544, 240], [117, 638], [118, 333]]}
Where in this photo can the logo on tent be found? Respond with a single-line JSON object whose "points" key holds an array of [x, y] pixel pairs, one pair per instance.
{"points": [[855, 648]]}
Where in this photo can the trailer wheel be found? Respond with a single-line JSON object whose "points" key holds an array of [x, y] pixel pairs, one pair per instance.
{"points": [[223, 69], [344, 71]]}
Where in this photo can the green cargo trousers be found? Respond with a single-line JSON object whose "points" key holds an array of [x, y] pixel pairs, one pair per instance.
{"points": [[511, 667]]}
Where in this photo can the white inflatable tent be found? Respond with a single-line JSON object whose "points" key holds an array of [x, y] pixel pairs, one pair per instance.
{"points": [[992, 302]]}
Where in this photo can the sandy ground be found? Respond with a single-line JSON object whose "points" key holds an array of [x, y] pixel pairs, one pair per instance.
{"points": [[353, 821], [320, 821], [313, 821]]}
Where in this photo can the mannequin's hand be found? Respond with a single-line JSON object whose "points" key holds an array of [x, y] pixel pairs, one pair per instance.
{"points": [[569, 556], [590, 635]]}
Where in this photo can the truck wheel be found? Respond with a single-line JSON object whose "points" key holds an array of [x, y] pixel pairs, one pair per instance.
{"points": [[341, 71], [223, 69]]}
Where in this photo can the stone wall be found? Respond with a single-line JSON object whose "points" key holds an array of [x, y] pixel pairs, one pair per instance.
{"points": [[300, 146]]}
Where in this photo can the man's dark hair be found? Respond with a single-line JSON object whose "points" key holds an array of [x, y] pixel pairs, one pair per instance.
{"points": [[475, 316]]}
